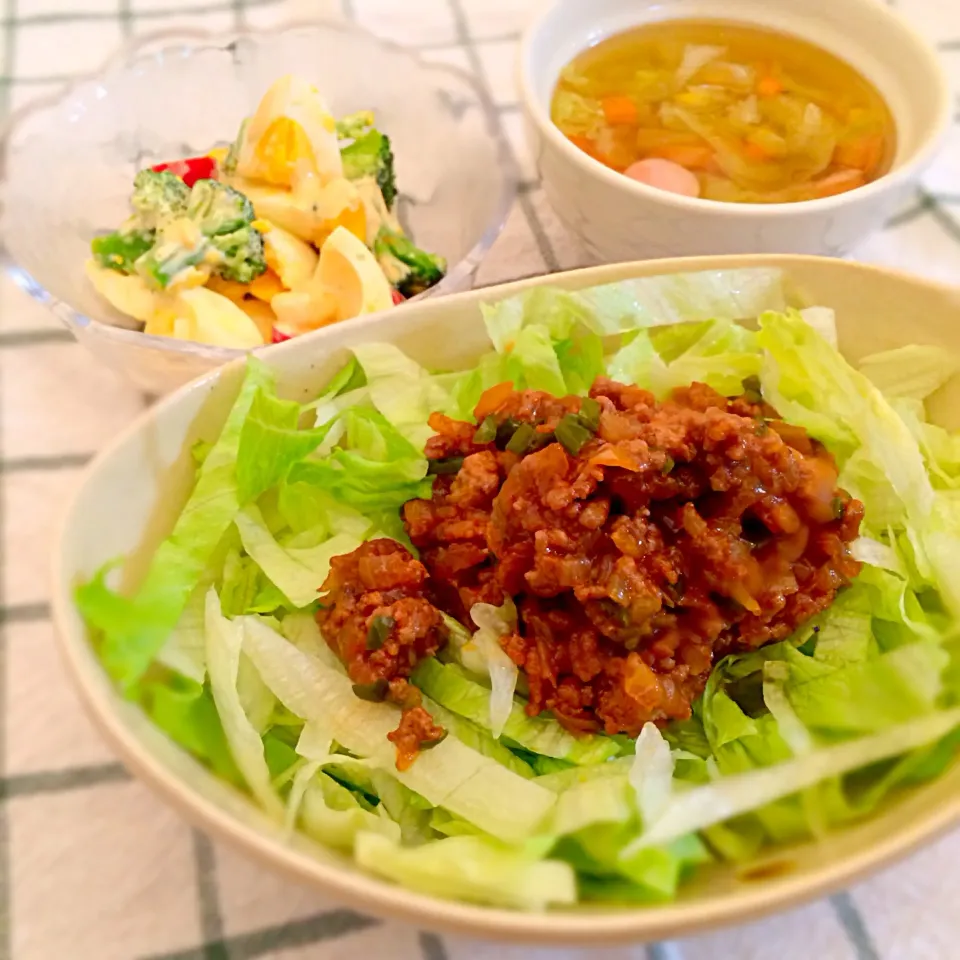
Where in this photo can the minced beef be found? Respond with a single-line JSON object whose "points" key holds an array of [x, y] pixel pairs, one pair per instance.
{"points": [[680, 531], [376, 619], [663, 535], [416, 732]]}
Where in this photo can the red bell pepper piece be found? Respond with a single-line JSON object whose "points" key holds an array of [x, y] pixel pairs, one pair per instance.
{"points": [[279, 336], [398, 297], [190, 170]]}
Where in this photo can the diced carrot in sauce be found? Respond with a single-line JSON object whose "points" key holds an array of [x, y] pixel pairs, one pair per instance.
{"points": [[619, 110], [691, 156], [769, 86], [491, 398], [583, 143], [613, 456]]}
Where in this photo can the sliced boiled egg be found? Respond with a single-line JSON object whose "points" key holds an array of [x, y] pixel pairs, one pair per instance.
{"points": [[207, 317], [310, 212], [348, 282], [375, 210], [349, 271], [262, 315], [307, 308], [293, 260], [126, 293], [291, 132]]}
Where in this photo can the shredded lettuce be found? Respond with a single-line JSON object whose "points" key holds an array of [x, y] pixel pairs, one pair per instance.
{"points": [[330, 813], [452, 688], [133, 630], [727, 797], [185, 649], [271, 442], [912, 371], [297, 572], [451, 774], [400, 389], [482, 655], [651, 773], [636, 304], [224, 650], [375, 467], [471, 868]]}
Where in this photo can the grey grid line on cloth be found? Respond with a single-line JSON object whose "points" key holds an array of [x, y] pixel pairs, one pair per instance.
{"points": [[939, 207]]}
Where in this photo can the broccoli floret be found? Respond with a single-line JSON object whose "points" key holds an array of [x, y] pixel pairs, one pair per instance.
{"points": [[410, 269], [242, 251], [120, 250], [217, 208], [158, 197], [372, 156], [225, 216], [176, 227], [169, 255], [354, 125]]}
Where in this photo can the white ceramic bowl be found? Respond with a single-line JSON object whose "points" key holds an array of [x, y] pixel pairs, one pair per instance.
{"points": [[133, 492], [67, 164], [617, 218]]}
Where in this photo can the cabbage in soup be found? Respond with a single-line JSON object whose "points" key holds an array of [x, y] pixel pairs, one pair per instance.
{"points": [[726, 112]]}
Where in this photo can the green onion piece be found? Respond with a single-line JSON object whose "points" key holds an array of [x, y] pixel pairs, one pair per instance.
{"points": [[751, 389], [505, 431], [380, 628], [673, 592], [668, 464], [572, 434], [375, 692], [523, 440], [487, 431], [838, 506], [430, 744], [444, 465], [589, 414]]}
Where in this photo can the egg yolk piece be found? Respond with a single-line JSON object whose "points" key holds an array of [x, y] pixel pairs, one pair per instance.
{"points": [[283, 145], [292, 130]]}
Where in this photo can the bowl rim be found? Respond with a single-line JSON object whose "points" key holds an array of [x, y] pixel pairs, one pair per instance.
{"points": [[158, 44], [539, 115], [367, 892]]}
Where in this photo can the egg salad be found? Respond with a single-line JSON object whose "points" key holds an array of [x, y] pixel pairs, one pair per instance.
{"points": [[289, 229]]}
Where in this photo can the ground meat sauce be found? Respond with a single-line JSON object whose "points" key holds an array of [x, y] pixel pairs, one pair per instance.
{"points": [[376, 619], [640, 541], [416, 732]]}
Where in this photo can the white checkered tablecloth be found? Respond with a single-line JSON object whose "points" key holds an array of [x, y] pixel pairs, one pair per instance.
{"points": [[92, 865]]}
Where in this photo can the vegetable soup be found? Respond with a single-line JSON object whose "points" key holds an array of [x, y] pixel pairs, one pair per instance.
{"points": [[726, 112]]}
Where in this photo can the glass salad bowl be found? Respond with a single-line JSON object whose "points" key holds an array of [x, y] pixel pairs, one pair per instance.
{"points": [[67, 164]]}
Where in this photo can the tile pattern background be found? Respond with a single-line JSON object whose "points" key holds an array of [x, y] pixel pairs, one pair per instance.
{"points": [[92, 866]]}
